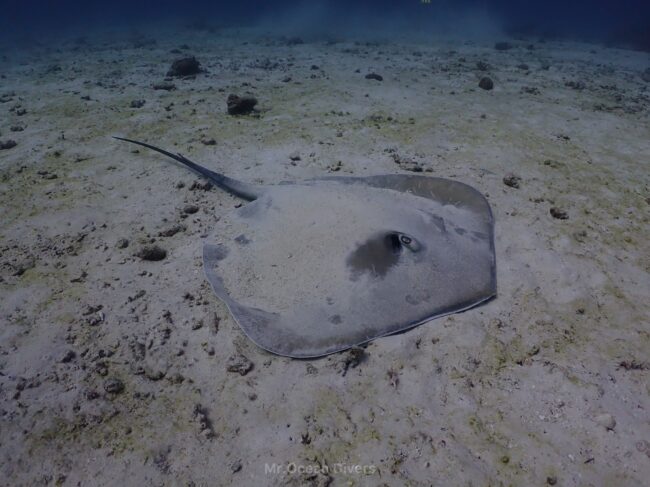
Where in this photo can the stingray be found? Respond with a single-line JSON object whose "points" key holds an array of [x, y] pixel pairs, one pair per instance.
{"points": [[318, 266]]}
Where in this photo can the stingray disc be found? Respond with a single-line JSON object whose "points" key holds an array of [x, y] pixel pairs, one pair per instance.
{"points": [[313, 268]]}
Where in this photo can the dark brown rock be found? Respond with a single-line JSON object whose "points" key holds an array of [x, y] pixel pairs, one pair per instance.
{"points": [[152, 252], [240, 364], [559, 213], [240, 105], [164, 85], [185, 67], [8, 144], [486, 83], [113, 386], [511, 180]]}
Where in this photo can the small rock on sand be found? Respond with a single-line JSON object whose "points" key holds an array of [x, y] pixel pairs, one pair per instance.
{"points": [[559, 213], [7, 144], [171, 231], [184, 67], [503, 46], [512, 180], [164, 85], [486, 83], [152, 252], [137, 103], [240, 364], [68, 356], [374, 76], [240, 105], [113, 386]]}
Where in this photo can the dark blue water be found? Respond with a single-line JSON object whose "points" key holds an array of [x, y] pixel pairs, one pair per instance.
{"points": [[622, 22]]}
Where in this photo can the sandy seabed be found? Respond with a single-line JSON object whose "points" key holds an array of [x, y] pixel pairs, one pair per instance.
{"points": [[119, 371]]}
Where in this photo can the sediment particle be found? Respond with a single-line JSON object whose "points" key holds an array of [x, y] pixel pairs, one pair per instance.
{"points": [[113, 386], [7, 144], [152, 253], [511, 180], [486, 83], [164, 85], [559, 213], [240, 105], [185, 67], [240, 364]]}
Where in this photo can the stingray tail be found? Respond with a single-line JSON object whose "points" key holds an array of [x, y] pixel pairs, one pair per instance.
{"points": [[243, 190]]}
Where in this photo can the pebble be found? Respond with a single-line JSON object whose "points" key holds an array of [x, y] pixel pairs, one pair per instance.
{"points": [[576, 85], [201, 185], [171, 231], [122, 243], [606, 420], [209, 141], [486, 83], [137, 103], [374, 76], [8, 144], [503, 46], [152, 252], [559, 213], [185, 67], [68, 357], [113, 386], [240, 364], [205, 425], [190, 209], [512, 180], [240, 105], [164, 85]]}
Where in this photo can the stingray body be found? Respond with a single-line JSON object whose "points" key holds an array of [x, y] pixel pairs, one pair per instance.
{"points": [[319, 266]]}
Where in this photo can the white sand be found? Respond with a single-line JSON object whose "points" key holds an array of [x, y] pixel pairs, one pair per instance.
{"points": [[520, 391]]}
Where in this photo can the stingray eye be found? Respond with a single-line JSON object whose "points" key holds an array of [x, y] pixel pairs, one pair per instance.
{"points": [[397, 242], [409, 242]]}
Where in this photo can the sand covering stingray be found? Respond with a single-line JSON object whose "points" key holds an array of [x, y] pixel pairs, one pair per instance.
{"points": [[322, 265]]}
